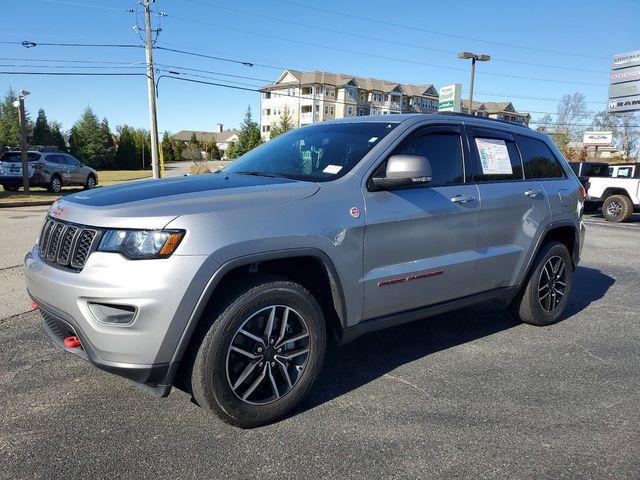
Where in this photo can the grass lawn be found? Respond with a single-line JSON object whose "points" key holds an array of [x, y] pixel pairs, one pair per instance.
{"points": [[106, 177]]}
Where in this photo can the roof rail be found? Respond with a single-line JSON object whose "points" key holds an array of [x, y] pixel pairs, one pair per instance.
{"points": [[476, 117]]}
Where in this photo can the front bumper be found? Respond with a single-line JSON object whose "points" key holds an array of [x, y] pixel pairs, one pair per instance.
{"points": [[138, 351]]}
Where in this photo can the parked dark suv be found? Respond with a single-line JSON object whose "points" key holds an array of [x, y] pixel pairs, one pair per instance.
{"points": [[230, 285], [51, 170]]}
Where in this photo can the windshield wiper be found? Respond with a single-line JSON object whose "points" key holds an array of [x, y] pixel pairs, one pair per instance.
{"points": [[261, 174]]}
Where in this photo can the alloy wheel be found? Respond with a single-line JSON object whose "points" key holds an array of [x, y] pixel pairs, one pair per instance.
{"points": [[552, 285], [91, 183], [268, 355], [55, 185], [614, 208]]}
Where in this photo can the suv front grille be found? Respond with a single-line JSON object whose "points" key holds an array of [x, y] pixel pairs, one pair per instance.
{"points": [[67, 244]]}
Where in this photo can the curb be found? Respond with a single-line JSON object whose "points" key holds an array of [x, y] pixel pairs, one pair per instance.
{"points": [[27, 204]]}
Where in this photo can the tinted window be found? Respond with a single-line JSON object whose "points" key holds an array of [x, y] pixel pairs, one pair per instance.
{"points": [[444, 152], [595, 169], [319, 152], [71, 161], [16, 157], [59, 159], [498, 160], [539, 161]]}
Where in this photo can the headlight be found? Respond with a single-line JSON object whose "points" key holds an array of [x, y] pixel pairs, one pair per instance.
{"points": [[141, 244]]}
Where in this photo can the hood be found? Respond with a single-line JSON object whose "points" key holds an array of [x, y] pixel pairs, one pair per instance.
{"points": [[154, 203]]}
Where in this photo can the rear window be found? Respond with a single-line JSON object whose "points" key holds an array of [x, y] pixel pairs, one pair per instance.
{"points": [[539, 161], [595, 170], [14, 157]]}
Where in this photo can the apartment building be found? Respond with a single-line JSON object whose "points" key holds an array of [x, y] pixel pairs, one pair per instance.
{"points": [[498, 110], [311, 97]]}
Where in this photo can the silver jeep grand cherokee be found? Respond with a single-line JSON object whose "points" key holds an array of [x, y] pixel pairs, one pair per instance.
{"points": [[230, 285]]}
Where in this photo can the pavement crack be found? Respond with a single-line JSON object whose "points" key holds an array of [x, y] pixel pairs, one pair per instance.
{"points": [[416, 387], [9, 268], [6, 319], [588, 352]]}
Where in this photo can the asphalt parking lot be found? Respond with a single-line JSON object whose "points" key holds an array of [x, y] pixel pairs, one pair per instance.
{"points": [[469, 394]]}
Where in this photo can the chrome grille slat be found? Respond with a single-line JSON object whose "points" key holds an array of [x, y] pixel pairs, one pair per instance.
{"points": [[65, 244]]}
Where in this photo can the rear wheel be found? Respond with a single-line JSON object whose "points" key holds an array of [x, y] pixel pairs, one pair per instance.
{"points": [[261, 355], [55, 186], [617, 208], [11, 188], [546, 292]]}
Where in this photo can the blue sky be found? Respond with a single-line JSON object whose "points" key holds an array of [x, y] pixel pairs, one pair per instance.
{"points": [[572, 28]]}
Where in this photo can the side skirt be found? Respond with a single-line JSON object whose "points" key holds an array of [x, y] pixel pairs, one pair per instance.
{"points": [[504, 295]]}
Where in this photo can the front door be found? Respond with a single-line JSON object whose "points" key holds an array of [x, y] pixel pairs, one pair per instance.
{"points": [[511, 210], [419, 243]]}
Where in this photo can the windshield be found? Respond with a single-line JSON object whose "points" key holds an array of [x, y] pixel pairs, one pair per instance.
{"points": [[318, 153]]}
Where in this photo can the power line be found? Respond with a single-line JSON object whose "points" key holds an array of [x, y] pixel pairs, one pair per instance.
{"points": [[184, 52], [74, 74], [386, 40], [384, 57], [32, 44], [435, 32], [71, 66], [66, 61]]}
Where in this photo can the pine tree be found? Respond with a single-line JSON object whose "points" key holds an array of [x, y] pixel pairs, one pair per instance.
{"points": [[215, 151], [91, 141], [41, 131], [126, 154], [248, 138], [285, 125], [167, 150], [9, 124], [57, 138], [193, 141]]}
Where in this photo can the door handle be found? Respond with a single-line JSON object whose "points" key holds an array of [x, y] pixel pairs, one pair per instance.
{"points": [[533, 193], [463, 199]]}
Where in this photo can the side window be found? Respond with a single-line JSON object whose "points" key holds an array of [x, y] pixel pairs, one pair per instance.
{"points": [[71, 161], [498, 160], [444, 152], [539, 161]]}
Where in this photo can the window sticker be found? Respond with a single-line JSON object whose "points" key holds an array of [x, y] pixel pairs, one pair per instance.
{"points": [[494, 156], [373, 139], [333, 169]]}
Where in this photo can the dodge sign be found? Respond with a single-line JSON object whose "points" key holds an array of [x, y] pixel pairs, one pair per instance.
{"points": [[624, 81]]}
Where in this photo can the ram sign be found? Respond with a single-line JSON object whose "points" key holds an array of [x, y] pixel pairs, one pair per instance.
{"points": [[624, 83], [597, 139]]}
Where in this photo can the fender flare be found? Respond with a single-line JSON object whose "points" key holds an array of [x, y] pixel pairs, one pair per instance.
{"points": [[337, 293]]}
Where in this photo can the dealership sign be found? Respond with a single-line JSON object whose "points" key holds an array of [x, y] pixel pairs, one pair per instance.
{"points": [[597, 139], [450, 98], [624, 83]]}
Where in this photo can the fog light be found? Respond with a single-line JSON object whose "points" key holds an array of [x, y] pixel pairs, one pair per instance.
{"points": [[113, 314]]}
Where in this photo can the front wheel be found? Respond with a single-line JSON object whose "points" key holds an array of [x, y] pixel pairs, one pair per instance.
{"points": [[90, 184], [261, 355], [546, 292]]}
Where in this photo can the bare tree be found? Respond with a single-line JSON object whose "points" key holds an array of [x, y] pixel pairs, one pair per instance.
{"points": [[626, 134], [572, 110]]}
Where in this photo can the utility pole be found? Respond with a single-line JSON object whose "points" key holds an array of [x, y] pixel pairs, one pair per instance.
{"points": [[23, 140], [474, 57], [151, 92]]}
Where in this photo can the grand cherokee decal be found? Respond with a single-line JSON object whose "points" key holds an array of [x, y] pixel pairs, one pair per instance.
{"points": [[410, 278]]}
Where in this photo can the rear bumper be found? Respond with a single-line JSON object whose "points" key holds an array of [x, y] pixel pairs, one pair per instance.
{"points": [[34, 180]]}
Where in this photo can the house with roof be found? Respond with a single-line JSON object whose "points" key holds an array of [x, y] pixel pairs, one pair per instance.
{"points": [[222, 138], [497, 110], [315, 96]]}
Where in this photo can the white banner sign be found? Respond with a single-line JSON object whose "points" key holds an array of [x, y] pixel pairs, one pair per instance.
{"points": [[600, 139]]}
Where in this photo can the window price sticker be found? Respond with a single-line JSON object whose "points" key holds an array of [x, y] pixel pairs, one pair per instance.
{"points": [[494, 156]]}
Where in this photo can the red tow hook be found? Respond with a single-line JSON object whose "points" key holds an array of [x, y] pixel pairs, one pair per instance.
{"points": [[72, 342], [34, 306]]}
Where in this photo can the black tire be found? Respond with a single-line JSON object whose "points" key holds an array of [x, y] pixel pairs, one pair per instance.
{"points": [[531, 305], [11, 188], [55, 185], [617, 208], [90, 184], [213, 367]]}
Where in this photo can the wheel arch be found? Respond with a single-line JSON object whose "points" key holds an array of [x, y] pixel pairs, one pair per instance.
{"points": [[310, 267], [609, 191], [565, 232]]}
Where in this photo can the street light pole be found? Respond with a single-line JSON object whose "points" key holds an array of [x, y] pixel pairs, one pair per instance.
{"points": [[23, 140], [151, 92], [474, 57]]}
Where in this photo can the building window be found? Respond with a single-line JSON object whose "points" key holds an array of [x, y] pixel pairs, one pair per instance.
{"points": [[331, 110], [266, 128], [360, 112], [386, 97], [349, 110], [307, 90], [306, 109], [266, 95], [266, 111], [362, 96], [328, 91]]}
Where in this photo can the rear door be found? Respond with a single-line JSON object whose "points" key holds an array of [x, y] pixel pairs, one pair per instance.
{"points": [[419, 242], [58, 164], [511, 211], [76, 173]]}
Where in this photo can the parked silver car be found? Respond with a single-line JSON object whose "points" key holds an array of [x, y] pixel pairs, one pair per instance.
{"points": [[230, 285], [51, 170]]}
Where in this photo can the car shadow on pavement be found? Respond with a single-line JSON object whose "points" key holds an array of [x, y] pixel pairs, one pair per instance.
{"points": [[351, 366]]}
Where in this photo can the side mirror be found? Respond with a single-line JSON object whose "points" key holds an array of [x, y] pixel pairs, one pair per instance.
{"points": [[404, 170]]}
